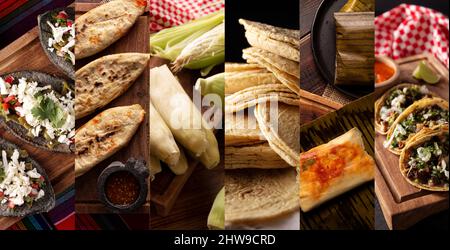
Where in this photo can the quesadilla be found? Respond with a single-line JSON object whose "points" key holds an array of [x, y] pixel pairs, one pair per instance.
{"points": [[105, 24], [282, 132], [259, 196], [394, 101], [259, 94], [101, 81], [105, 134], [287, 71], [38, 108], [424, 160], [25, 188], [332, 169], [425, 113]]}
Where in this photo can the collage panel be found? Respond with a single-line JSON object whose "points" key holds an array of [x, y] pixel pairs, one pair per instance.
{"points": [[37, 118], [336, 112], [186, 115], [411, 114], [224, 115], [111, 109], [262, 118]]}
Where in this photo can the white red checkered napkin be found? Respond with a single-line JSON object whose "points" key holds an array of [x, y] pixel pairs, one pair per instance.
{"points": [[410, 30], [168, 13]]}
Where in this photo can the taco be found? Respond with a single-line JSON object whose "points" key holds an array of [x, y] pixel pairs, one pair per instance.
{"points": [[57, 35], [38, 108], [24, 186], [424, 161], [425, 113], [394, 101]]}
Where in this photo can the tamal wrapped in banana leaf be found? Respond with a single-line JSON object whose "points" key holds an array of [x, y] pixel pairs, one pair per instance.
{"points": [[358, 6], [354, 48]]}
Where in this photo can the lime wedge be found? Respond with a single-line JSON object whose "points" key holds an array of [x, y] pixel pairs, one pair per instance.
{"points": [[424, 72]]}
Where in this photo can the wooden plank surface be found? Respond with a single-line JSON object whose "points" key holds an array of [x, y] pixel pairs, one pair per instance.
{"points": [[136, 40], [15, 57], [403, 204], [353, 209]]}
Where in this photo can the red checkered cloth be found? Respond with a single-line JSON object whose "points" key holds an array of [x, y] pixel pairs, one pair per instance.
{"points": [[410, 30], [168, 13]]}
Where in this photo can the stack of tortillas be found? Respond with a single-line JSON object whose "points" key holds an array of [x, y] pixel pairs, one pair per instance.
{"points": [[262, 126]]}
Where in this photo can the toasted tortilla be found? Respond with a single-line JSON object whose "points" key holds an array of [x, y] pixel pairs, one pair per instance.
{"points": [[332, 169], [259, 155], [242, 67], [266, 43], [45, 32], [59, 85], [420, 138], [42, 205], [103, 80], [418, 105], [287, 71], [242, 130], [105, 134], [258, 196], [251, 96], [380, 101], [289, 36], [282, 133], [241, 79], [105, 24]]}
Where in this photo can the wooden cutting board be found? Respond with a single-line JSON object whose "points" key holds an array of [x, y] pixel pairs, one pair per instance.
{"points": [[26, 53], [136, 40], [166, 186], [404, 205]]}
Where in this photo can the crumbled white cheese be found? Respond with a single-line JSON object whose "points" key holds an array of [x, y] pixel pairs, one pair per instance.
{"points": [[58, 33], [398, 101], [17, 184]]}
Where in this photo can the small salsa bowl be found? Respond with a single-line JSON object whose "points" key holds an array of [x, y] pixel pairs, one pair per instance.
{"points": [[391, 64]]}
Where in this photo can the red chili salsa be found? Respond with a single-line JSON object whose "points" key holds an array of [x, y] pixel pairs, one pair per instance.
{"points": [[122, 188]]}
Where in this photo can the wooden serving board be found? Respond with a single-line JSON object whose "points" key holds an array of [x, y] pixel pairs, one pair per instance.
{"points": [[166, 186], [404, 205], [136, 40], [26, 53]]}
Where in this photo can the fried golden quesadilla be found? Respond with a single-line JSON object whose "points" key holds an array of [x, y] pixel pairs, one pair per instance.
{"points": [[105, 24], [332, 169], [105, 134], [101, 81]]}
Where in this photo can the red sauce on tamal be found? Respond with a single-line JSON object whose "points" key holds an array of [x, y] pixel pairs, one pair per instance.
{"points": [[382, 72], [122, 188]]}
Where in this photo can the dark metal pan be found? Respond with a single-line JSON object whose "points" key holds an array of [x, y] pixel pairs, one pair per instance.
{"points": [[323, 40]]}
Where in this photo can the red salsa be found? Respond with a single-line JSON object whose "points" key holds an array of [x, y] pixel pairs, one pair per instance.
{"points": [[122, 188], [382, 72]]}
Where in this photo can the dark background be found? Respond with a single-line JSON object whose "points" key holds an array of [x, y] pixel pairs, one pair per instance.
{"points": [[385, 5], [279, 13]]}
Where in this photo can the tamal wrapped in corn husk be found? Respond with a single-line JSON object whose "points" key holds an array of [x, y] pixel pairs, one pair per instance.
{"points": [[358, 6], [354, 48]]}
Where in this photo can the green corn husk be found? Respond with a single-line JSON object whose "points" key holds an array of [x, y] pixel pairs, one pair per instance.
{"points": [[204, 52], [212, 85], [169, 43], [216, 217]]}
